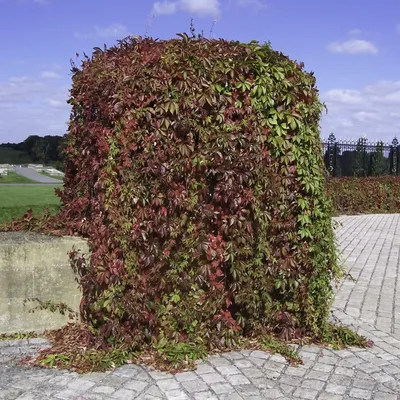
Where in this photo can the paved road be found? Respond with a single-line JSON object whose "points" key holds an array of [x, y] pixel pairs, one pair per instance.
{"points": [[371, 248], [35, 176]]}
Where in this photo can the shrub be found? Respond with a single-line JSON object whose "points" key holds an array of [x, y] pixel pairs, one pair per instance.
{"points": [[365, 195], [194, 168]]}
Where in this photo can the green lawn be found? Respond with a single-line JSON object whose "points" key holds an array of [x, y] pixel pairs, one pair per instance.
{"points": [[12, 177], [16, 200]]}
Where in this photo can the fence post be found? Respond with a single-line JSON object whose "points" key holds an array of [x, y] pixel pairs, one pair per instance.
{"points": [[332, 154], [365, 167], [394, 157], [398, 160]]}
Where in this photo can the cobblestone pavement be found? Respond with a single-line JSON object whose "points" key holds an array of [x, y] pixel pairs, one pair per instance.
{"points": [[372, 250]]}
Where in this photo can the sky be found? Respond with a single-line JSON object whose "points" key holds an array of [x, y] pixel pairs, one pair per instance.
{"points": [[352, 46]]}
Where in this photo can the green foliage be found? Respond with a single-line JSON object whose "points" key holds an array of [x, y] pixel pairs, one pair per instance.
{"points": [[379, 163], [205, 173], [360, 158], [9, 155], [87, 360], [52, 360], [52, 306], [277, 346], [18, 335], [364, 195], [194, 168], [181, 353], [339, 337], [37, 149]]}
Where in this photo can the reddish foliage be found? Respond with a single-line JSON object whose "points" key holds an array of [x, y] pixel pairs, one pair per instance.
{"points": [[195, 171]]}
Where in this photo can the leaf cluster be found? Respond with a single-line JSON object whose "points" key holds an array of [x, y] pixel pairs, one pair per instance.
{"points": [[194, 169]]}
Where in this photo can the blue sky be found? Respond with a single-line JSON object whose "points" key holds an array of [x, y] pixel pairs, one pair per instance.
{"points": [[353, 46]]}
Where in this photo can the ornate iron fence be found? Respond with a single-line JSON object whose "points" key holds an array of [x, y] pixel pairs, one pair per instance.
{"points": [[361, 158]]}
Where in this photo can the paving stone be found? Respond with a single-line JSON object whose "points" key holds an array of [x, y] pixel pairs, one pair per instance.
{"points": [[382, 377], [360, 393], [236, 380], [176, 395], [92, 396], [261, 354], [364, 384], [234, 355], [263, 383], [312, 384], [302, 393], [340, 380], [274, 393], [368, 368], [204, 369], [212, 378], [344, 371], [221, 388], [103, 389], [273, 365], [329, 396], [168, 384], [323, 368], [68, 394], [137, 386], [10, 393], [385, 396], [124, 394], [128, 371], [185, 376], [259, 362], [245, 363], [219, 361], [252, 372], [322, 376], [333, 388], [290, 380], [232, 396], [248, 390], [81, 384], [205, 396], [228, 370], [157, 375], [194, 386]]}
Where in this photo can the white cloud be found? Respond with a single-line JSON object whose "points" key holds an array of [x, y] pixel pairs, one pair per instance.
{"points": [[49, 75], [355, 32], [353, 46], [194, 7], [19, 89], [165, 7], [57, 103], [372, 111], [344, 96], [112, 31], [18, 79], [29, 107], [252, 3]]}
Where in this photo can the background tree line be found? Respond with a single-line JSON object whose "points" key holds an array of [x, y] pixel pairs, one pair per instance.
{"points": [[35, 149]]}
